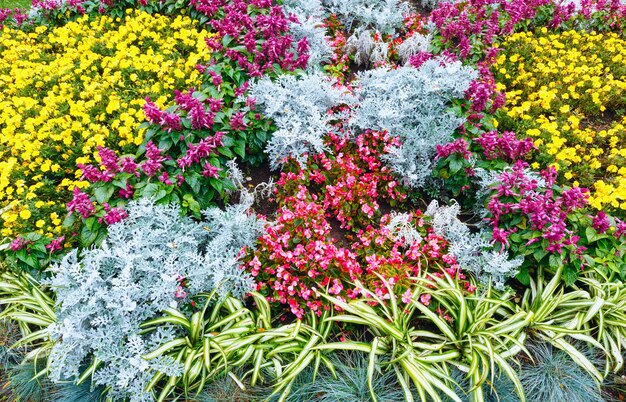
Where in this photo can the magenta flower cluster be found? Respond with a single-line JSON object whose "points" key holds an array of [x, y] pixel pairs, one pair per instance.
{"points": [[504, 145], [546, 211], [259, 31]]}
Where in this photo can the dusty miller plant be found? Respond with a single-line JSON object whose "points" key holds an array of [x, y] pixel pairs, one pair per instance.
{"points": [[310, 25], [413, 45], [104, 294], [414, 105], [361, 45], [472, 251], [306, 8], [401, 229], [299, 106], [312, 28], [382, 15], [431, 4]]}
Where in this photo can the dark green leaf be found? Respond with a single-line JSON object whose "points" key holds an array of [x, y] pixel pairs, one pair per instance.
{"points": [[240, 148], [523, 276], [104, 193], [570, 275], [456, 164]]}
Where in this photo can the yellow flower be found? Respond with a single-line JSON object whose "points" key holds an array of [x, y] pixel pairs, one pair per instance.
{"points": [[563, 79], [90, 88]]}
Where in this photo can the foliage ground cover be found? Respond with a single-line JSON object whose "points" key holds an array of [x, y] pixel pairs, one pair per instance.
{"points": [[434, 229]]}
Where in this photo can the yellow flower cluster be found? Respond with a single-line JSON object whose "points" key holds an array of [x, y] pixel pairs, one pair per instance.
{"points": [[65, 91], [567, 91]]}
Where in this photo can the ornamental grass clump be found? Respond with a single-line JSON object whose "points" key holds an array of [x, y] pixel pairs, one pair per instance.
{"points": [[349, 382], [552, 375]]}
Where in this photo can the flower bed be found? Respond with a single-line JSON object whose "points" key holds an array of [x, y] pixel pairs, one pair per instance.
{"points": [[429, 229]]}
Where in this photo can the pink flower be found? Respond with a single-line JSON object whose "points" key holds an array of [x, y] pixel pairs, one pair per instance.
{"points": [[425, 299], [81, 203], [601, 222], [56, 244], [210, 171], [407, 296], [17, 244], [180, 293], [114, 215]]}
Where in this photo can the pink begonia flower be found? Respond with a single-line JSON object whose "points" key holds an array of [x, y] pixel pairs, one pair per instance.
{"points": [[425, 299], [180, 293], [407, 296]]}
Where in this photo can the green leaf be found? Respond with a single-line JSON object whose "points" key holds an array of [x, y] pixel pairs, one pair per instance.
{"points": [[570, 275], [456, 164], [104, 193], [200, 96], [121, 180], [523, 276], [191, 203], [227, 141], [226, 39], [88, 237], [592, 235], [150, 189], [226, 152], [555, 261], [240, 148], [622, 272], [165, 144], [539, 254], [69, 220], [217, 184], [193, 179]]}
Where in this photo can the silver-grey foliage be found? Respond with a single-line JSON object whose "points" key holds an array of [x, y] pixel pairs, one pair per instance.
{"points": [[361, 45], [312, 28], [413, 45], [412, 104], [104, 294], [472, 251], [552, 375], [299, 106], [365, 49], [432, 4], [307, 8], [402, 229], [310, 15], [383, 15]]}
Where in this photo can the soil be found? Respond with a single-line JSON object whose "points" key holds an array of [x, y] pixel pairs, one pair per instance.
{"points": [[417, 6], [341, 237], [601, 122], [255, 176]]}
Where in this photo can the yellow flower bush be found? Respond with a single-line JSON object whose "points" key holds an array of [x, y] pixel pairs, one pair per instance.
{"points": [[567, 91], [65, 91]]}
